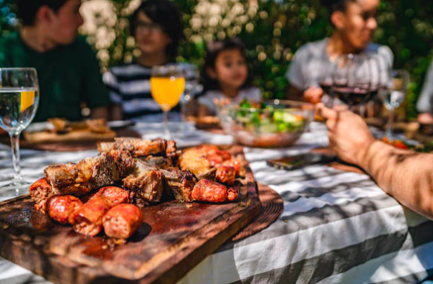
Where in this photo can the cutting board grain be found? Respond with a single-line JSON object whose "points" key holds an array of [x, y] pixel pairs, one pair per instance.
{"points": [[173, 238]]}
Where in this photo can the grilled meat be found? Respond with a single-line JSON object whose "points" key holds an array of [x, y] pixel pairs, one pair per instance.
{"points": [[87, 220], [122, 221], [209, 191], [40, 191], [180, 183], [60, 208], [225, 174], [146, 181]]}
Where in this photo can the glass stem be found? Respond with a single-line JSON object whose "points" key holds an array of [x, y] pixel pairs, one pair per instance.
{"points": [[391, 121], [15, 145], [166, 129]]}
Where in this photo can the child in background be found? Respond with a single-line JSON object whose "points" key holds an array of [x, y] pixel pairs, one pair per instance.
{"points": [[157, 28], [225, 76]]}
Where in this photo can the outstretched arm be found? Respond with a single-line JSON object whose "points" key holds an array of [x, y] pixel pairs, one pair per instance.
{"points": [[403, 174]]}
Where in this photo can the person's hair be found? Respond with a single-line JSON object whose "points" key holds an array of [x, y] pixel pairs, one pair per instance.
{"points": [[336, 5], [27, 9], [166, 14], [213, 49]]}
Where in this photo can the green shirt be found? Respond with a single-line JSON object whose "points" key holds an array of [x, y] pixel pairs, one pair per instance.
{"points": [[68, 76]]}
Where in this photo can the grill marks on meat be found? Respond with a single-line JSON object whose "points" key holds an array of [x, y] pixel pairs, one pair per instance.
{"points": [[122, 221], [60, 208], [209, 191], [40, 191], [87, 220], [146, 181], [180, 183]]}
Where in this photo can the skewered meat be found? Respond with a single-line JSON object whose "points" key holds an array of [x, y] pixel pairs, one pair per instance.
{"points": [[87, 220], [180, 183], [146, 181], [122, 221], [225, 174], [40, 191], [60, 208], [209, 191]]}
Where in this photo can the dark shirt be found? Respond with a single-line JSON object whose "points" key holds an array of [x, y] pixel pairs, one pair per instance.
{"points": [[68, 76]]}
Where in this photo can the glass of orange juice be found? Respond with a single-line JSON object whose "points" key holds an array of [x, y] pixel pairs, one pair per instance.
{"points": [[167, 84]]}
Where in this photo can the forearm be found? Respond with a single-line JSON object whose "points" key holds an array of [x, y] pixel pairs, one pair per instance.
{"points": [[403, 174]]}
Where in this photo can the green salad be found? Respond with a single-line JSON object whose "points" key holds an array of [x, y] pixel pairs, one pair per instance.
{"points": [[263, 118]]}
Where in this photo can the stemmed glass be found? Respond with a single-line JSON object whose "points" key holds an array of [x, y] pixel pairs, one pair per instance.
{"points": [[192, 75], [19, 98], [167, 83], [352, 80], [393, 95]]}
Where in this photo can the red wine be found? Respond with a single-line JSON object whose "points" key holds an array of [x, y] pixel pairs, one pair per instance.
{"points": [[352, 96], [326, 87]]}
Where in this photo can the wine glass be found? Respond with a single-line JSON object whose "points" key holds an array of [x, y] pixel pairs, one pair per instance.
{"points": [[192, 78], [167, 83], [19, 98], [393, 95], [352, 80]]}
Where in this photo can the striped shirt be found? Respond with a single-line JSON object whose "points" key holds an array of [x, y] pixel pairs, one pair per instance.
{"points": [[129, 87]]}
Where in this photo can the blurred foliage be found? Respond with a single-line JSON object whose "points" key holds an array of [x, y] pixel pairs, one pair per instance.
{"points": [[272, 31]]}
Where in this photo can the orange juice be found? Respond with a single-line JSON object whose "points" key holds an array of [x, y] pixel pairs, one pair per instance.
{"points": [[166, 91]]}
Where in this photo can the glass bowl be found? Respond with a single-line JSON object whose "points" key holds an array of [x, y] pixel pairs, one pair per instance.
{"points": [[272, 124]]}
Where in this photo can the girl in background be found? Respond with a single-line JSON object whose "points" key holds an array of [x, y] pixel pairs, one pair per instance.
{"points": [[225, 76], [157, 28]]}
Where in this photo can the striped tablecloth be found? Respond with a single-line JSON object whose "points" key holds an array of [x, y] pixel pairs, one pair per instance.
{"points": [[337, 227]]}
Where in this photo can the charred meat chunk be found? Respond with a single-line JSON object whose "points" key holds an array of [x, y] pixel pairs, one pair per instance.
{"points": [[180, 183], [146, 181]]}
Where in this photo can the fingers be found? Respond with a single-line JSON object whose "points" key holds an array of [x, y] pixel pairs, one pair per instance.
{"points": [[325, 112]]}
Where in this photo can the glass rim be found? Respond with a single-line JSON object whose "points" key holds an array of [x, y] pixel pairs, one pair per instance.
{"points": [[17, 69]]}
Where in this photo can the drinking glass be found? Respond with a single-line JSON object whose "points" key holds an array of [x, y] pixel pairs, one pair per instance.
{"points": [[352, 80], [167, 83], [393, 95], [192, 80], [19, 98]]}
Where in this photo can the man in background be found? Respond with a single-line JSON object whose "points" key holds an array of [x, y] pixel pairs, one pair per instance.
{"points": [[68, 71]]}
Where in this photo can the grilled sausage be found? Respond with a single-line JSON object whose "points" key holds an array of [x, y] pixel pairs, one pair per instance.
{"points": [[40, 191], [209, 191], [225, 174], [59, 208], [122, 221], [88, 219]]}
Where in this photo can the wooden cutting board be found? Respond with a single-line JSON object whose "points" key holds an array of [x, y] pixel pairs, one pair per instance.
{"points": [[173, 238]]}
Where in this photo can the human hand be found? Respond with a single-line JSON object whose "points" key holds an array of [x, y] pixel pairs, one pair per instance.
{"points": [[313, 95], [348, 134]]}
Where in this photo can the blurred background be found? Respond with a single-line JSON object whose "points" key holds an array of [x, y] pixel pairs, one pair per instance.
{"points": [[272, 31]]}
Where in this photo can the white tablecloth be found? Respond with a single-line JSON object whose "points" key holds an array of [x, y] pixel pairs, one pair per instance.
{"points": [[337, 227]]}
